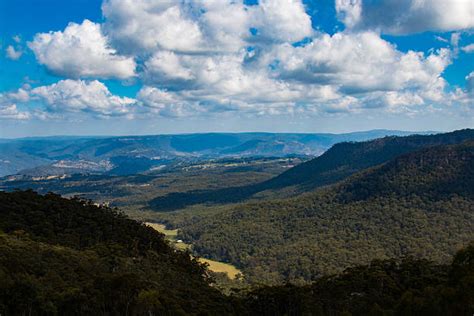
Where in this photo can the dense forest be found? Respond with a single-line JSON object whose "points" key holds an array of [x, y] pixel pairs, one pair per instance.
{"points": [[384, 287], [420, 204], [67, 257]]}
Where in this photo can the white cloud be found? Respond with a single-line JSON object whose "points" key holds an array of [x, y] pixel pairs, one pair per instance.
{"points": [[11, 112], [283, 20], [465, 97], [468, 48], [357, 63], [12, 53], [167, 104], [225, 24], [406, 16], [82, 96], [349, 11], [202, 57], [199, 26], [340, 73], [167, 68], [441, 39], [81, 50], [141, 25], [21, 95]]}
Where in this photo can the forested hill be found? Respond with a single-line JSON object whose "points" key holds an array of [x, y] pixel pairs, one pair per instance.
{"points": [[338, 163], [420, 203], [346, 158], [67, 257], [437, 173]]}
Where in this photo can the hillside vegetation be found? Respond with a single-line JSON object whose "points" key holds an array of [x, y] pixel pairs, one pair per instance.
{"points": [[384, 287], [420, 204], [67, 257]]}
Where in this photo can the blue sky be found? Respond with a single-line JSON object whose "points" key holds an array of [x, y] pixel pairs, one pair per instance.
{"points": [[148, 67]]}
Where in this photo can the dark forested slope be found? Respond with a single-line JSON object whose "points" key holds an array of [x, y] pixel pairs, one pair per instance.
{"points": [[347, 158], [68, 257], [420, 203], [384, 287]]}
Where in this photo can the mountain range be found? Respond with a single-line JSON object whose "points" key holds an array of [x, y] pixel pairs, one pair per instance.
{"points": [[390, 197], [340, 161], [43, 156]]}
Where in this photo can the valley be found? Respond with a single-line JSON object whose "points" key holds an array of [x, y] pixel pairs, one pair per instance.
{"points": [[239, 234], [215, 266], [296, 219]]}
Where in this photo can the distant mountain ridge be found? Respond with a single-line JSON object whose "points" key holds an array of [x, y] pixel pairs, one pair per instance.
{"points": [[339, 162], [39, 156]]}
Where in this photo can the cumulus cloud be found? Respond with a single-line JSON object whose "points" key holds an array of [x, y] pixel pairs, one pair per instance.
{"points": [[228, 56], [345, 72], [82, 96], [167, 68], [406, 16], [465, 97], [12, 53], [81, 50], [202, 26], [166, 103], [202, 57], [9, 110], [283, 20], [356, 63], [21, 95], [143, 25]]}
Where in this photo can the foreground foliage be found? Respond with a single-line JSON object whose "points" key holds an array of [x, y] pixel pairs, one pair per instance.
{"points": [[68, 257], [60, 256]]}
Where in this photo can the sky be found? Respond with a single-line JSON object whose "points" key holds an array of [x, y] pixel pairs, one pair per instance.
{"points": [[129, 67]]}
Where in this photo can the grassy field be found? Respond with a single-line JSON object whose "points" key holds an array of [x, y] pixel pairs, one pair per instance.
{"points": [[169, 233], [215, 266]]}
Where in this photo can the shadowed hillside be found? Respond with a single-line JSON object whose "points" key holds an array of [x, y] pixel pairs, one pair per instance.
{"points": [[68, 257]]}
